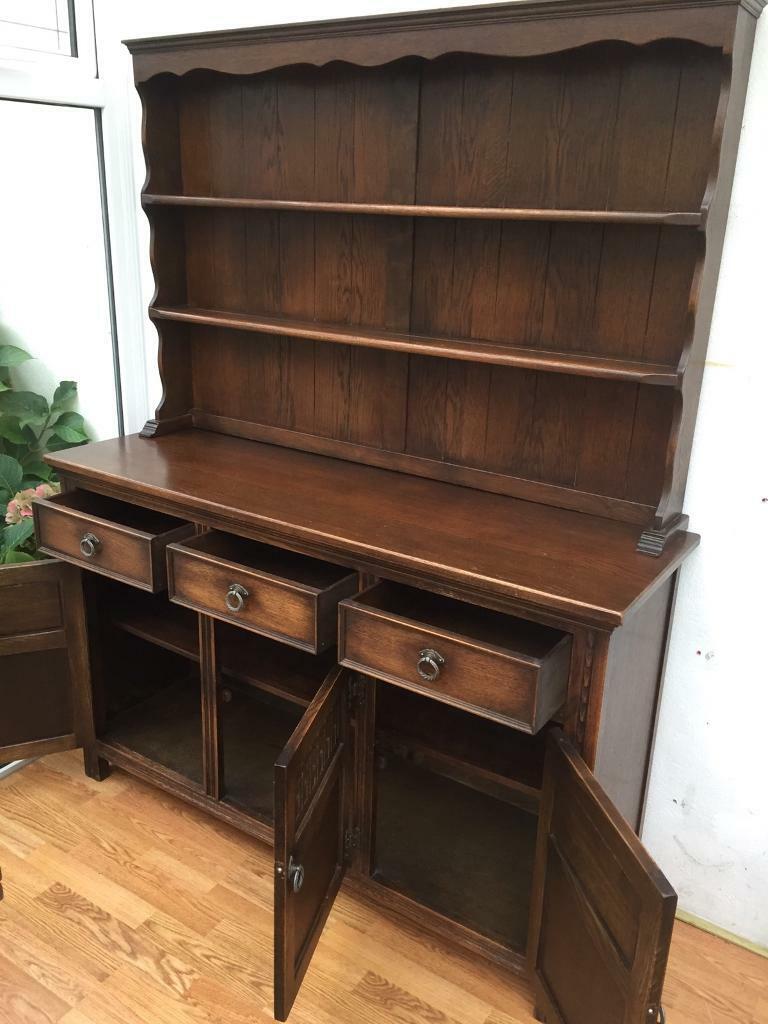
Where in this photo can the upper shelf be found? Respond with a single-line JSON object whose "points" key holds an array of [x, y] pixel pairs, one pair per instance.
{"points": [[681, 218], [468, 350]]}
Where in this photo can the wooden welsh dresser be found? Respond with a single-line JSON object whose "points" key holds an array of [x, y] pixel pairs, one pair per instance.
{"points": [[388, 579]]}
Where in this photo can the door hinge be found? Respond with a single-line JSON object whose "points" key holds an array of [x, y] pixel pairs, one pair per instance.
{"points": [[356, 693], [351, 840]]}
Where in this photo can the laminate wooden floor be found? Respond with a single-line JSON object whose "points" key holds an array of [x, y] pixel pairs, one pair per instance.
{"points": [[125, 906]]}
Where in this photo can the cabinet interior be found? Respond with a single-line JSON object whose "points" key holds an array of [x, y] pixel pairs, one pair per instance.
{"points": [[455, 813]]}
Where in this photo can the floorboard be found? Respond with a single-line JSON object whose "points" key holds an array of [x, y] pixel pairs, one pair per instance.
{"points": [[123, 906]]}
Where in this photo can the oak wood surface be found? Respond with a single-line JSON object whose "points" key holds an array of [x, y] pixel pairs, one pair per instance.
{"points": [[424, 343], [580, 566], [285, 596], [520, 28], [687, 218], [124, 906], [602, 912], [490, 664], [40, 694], [580, 364], [128, 541]]}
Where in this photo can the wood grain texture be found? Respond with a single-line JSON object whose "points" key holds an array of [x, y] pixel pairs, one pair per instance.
{"points": [[492, 665], [582, 566], [202, 956], [274, 213]]}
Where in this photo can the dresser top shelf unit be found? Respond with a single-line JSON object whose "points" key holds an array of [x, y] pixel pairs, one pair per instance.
{"points": [[477, 245], [466, 541]]}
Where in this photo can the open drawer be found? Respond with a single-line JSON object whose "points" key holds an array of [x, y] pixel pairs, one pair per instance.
{"points": [[495, 665], [111, 537], [278, 593]]}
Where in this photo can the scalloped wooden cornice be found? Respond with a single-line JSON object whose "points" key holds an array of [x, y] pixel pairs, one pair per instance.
{"points": [[525, 28]]}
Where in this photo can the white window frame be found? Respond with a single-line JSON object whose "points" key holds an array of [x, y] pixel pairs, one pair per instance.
{"points": [[96, 80], [82, 63]]}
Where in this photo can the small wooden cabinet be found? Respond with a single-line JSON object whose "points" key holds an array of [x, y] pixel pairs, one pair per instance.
{"points": [[388, 579]]}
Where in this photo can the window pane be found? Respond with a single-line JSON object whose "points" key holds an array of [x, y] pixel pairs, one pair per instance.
{"points": [[54, 297], [31, 27]]}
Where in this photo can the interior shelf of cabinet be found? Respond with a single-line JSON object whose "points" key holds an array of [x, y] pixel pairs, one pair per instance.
{"points": [[155, 619], [574, 363], [266, 664], [474, 751], [683, 218]]}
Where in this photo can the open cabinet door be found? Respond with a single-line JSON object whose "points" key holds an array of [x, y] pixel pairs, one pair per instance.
{"points": [[310, 779], [602, 911], [43, 661]]}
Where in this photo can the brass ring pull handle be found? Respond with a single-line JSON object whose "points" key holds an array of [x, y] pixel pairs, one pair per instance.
{"points": [[235, 599], [295, 875], [429, 665], [89, 545]]}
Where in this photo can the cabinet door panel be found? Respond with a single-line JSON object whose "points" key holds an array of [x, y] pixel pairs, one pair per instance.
{"points": [[38, 606], [310, 781], [602, 911]]}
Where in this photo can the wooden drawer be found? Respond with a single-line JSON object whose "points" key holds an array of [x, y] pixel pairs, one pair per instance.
{"points": [[277, 593], [111, 537], [494, 665]]}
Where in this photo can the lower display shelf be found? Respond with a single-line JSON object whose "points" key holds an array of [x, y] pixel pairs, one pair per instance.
{"points": [[460, 852], [165, 728]]}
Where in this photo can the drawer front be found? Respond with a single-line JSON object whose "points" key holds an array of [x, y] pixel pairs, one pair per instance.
{"points": [[280, 609], [487, 681], [111, 549]]}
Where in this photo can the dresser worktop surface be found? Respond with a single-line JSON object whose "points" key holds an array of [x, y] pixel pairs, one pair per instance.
{"points": [[555, 560]]}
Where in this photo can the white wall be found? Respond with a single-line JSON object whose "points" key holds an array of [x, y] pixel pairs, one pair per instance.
{"points": [[707, 818], [53, 284], [707, 815]]}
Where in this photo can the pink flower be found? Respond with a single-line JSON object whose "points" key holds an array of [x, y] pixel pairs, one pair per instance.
{"points": [[20, 505]]}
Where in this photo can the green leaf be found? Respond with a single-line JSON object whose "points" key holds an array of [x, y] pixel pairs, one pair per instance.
{"points": [[69, 427], [11, 355], [64, 393], [69, 434], [70, 419], [11, 430], [39, 470], [4, 386], [55, 445], [26, 405], [17, 557], [11, 475], [16, 534]]}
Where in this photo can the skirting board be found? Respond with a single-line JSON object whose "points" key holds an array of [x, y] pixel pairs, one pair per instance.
{"points": [[721, 933]]}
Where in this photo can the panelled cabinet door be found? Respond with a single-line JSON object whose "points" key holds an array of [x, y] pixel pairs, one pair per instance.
{"points": [[42, 638], [602, 912], [310, 780]]}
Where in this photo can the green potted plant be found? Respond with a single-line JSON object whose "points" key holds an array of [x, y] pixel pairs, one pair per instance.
{"points": [[30, 426]]}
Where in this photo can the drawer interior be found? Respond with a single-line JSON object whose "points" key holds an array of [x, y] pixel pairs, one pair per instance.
{"points": [[135, 517], [455, 813], [449, 615], [264, 558]]}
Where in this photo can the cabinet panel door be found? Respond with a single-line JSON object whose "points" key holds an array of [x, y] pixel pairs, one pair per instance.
{"points": [[310, 781], [602, 911], [41, 621]]}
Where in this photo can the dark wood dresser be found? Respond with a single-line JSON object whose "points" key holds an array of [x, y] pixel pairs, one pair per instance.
{"points": [[388, 579]]}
